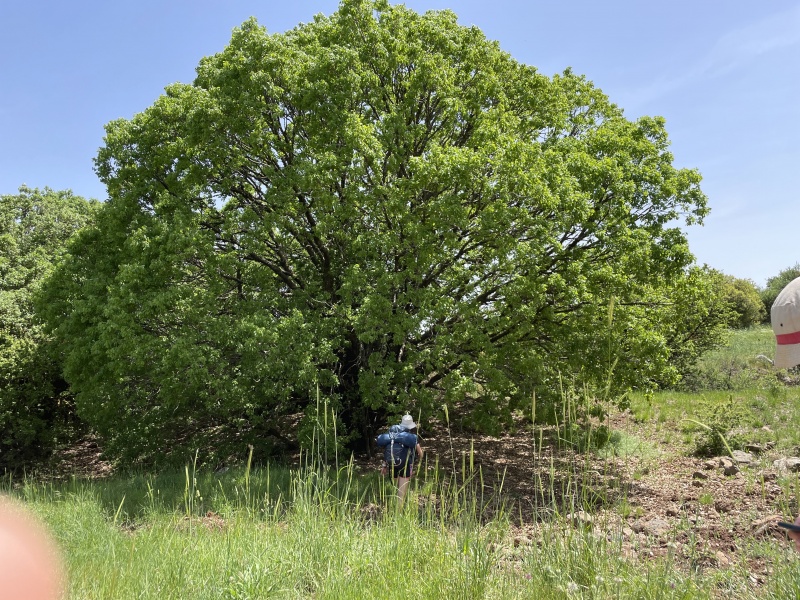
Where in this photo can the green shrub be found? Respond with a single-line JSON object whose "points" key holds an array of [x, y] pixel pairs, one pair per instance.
{"points": [[775, 285], [36, 408], [743, 299], [720, 427]]}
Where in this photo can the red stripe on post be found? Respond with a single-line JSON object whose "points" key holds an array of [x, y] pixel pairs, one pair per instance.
{"points": [[788, 338]]}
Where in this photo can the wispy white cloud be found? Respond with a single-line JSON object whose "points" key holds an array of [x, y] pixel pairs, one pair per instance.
{"points": [[732, 51], [741, 46]]}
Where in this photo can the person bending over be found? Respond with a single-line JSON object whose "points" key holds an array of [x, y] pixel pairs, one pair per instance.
{"points": [[401, 452]]}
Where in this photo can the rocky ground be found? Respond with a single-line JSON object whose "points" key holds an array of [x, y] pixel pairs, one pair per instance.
{"points": [[705, 512]]}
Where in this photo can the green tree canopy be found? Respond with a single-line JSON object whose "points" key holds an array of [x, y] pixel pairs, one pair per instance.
{"points": [[744, 300], [380, 205], [35, 227], [775, 285]]}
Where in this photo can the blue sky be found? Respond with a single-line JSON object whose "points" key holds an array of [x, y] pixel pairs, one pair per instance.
{"points": [[724, 74]]}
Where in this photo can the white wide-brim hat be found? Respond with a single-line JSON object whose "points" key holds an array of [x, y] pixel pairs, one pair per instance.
{"points": [[408, 422], [785, 317]]}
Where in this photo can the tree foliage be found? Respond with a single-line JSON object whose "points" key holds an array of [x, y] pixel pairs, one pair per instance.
{"points": [[382, 206], [35, 406], [775, 285], [744, 301]]}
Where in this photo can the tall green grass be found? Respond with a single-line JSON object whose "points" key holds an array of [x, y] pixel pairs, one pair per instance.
{"points": [[735, 392], [120, 541], [324, 530], [327, 532], [744, 362]]}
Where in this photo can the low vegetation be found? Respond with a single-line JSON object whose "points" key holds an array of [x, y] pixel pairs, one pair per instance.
{"points": [[525, 516]]}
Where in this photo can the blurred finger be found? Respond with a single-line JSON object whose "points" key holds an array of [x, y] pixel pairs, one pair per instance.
{"points": [[29, 563]]}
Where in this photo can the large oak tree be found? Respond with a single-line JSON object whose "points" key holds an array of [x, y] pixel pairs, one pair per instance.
{"points": [[382, 208]]}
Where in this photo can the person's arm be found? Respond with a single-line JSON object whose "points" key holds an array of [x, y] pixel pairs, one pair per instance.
{"points": [[419, 452]]}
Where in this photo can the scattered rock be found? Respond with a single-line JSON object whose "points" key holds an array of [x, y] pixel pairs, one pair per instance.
{"points": [[699, 475], [722, 505], [654, 527], [580, 518], [728, 466], [754, 448], [742, 458], [766, 526], [522, 540], [791, 464], [721, 559], [697, 483], [712, 463], [672, 511]]}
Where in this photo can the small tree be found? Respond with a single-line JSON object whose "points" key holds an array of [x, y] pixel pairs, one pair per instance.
{"points": [[744, 300], [35, 405], [775, 285]]}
